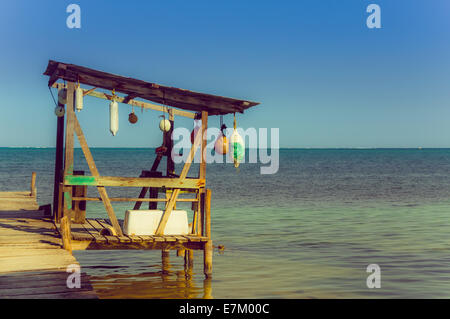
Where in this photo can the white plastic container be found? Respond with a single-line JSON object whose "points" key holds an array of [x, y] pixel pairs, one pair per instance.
{"points": [[113, 117], [79, 99], [145, 222]]}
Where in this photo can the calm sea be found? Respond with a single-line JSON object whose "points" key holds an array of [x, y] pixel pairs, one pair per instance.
{"points": [[309, 231]]}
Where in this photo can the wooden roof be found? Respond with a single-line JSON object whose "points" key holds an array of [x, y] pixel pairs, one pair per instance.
{"points": [[133, 88]]}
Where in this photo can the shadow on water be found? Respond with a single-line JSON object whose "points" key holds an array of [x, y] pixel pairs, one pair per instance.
{"points": [[167, 282]]}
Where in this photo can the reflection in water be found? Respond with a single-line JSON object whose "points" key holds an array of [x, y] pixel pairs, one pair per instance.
{"points": [[165, 283]]}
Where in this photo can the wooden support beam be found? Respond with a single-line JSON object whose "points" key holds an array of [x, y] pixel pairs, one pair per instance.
{"points": [[207, 232], [196, 206], [66, 234], [79, 207], [145, 189], [59, 164], [125, 199], [182, 178], [132, 102], [189, 259], [168, 142], [153, 194], [201, 212], [207, 259], [68, 150], [60, 203], [95, 173], [202, 172], [115, 181]]}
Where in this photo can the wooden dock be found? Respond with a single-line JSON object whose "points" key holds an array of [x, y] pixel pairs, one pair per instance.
{"points": [[32, 261]]}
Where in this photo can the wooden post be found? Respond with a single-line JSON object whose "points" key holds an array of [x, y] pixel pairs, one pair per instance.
{"points": [[59, 157], [189, 258], [60, 207], [33, 185], [207, 259], [66, 234], [181, 253], [170, 170], [165, 257], [145, 189], [79, 207], [201, 212], [208, 214], [68, 151], [195, 208], [208, 249], [202, 172]]}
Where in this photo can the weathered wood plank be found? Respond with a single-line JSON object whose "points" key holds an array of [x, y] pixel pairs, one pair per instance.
{"points": [[65, 234], [185, 99], [20, 194], [115, 181]]}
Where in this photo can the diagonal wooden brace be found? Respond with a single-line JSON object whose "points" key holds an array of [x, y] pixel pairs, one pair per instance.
{"points": [[175, 193], [94, 172]]}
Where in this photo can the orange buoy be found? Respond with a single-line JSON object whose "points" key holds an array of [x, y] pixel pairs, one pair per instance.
{"points": [[221, 145], [132, 118]]}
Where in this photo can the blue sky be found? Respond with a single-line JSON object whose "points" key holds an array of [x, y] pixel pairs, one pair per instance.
{"points": [[321, 75]]}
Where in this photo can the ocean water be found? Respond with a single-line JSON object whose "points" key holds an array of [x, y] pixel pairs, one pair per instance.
{"points": [[309, 231]]}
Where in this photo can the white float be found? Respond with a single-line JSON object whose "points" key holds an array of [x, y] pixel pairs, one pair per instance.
{"points": [[78, 99], [164, 125], [59, 111], [113, 117], [62, 96], [237, 148]]}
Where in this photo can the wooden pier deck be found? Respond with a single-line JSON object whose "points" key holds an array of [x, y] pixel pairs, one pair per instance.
{"points": [[93, 234], [32, 261]]}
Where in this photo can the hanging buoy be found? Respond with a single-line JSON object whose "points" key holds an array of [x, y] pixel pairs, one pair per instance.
{"points": [[132, 118], [237, 147], [113, 117], [164, 125], [79, 99], [221, 145], [59, 111], [194, 133], [62, 96]]}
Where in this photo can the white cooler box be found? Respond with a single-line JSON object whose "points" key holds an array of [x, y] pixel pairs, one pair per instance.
{"points": [[145, 222]]}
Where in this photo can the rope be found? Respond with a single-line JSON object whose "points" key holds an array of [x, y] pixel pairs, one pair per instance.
{"points": [[50, 89]]}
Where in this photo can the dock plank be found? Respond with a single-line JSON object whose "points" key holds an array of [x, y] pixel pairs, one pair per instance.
{"points": [[32, 261]]}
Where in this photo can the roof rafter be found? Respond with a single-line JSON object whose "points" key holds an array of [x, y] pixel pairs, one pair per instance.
{"points": [[134, 88]]}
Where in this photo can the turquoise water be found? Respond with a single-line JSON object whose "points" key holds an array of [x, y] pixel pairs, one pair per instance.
{"points": [[308, 231]]}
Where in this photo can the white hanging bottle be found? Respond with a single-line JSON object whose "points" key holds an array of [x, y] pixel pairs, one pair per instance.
{"points": [[113, 117], [78, 98]]}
